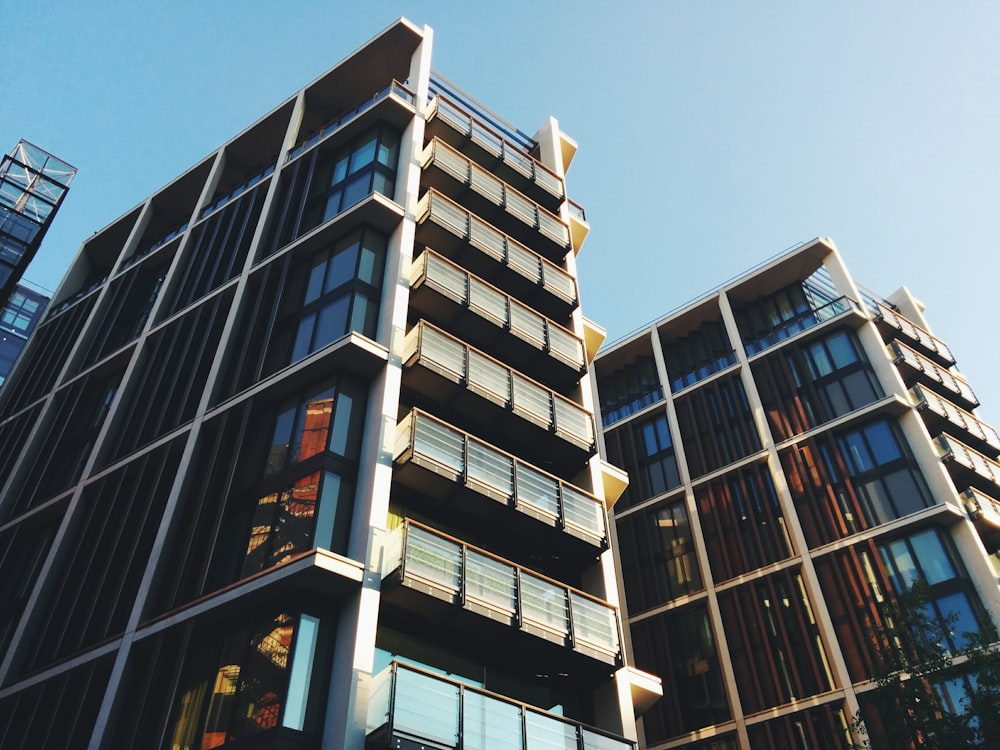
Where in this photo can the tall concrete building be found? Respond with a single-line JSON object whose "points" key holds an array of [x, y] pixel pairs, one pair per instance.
{"points": [[800, 452], [303, 454], [33, 185]]}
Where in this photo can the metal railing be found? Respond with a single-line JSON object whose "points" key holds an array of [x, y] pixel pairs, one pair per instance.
{"points": [[540, 605], [702, 371], [491, 379], [924, 398], [951, 449], [913, 332], [491, 472], [501, 247], [395, 89], [799, 323], [410, 703], [502, 310], [900, 353]]}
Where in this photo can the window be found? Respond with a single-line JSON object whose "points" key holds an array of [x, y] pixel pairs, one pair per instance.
{"points": [[926, 556], [657, 463], [263, 677], [658, 557], [336, 292], [20, 312], [881, 472], [628, 390]]}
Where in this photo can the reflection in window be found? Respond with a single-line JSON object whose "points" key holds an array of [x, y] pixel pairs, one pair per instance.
{"points": [[881, 473], [926, 556], [658, 556], [337, 292], [657, 464], [680, 646], [247, 683]]}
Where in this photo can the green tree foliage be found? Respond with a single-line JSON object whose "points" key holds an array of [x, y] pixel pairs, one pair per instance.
{"points": [[936, 689]]}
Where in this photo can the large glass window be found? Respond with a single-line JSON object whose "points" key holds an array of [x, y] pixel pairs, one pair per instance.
{"points": [[657, 463], [658, 556], [926, 556], [881, 472], [344, 177], [265, 676], [337, 291]]}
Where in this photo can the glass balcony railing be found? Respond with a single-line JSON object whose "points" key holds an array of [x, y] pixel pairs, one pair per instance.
{"points": [[924, 398], [237, 192], [497, 146], [395, 89], [901, 354], [503, 591], [492, 380], [699, 373], [497, 192], [982, 466], [500, 247], [410, 707], [500, 309], [492, 473], [929, 343], [982, 507], [640, 402], [799, 323]]}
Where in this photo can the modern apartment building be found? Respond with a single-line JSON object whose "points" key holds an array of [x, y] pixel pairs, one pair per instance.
{"points": [[17, 320], [800, 452], [33, 184], [303, 454]]}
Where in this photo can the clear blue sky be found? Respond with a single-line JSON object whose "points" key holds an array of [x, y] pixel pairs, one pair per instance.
{"points": [[712, 134]]}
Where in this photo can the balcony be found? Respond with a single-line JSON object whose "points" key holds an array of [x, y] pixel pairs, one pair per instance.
{"points": [[508, 407], [448, 171], [985, 514], [928, 344], [788, 328], [916, 367], [487, 252], [507, 328], [968, 466], [486, 605], [411, 708], [485, 488], [703, 371], [939, 412], [449, 122]]}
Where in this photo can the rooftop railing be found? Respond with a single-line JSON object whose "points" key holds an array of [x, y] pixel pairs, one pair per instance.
{"points": [[411, 707]]}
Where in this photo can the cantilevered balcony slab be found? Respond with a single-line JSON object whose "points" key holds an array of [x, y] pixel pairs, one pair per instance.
{"points": [[968, 467], [916, 368], [913, 335], [984, 510], [507, 409], [482, 604], [458, 234], [941, 414], [463, 131], [492, 494], [496, 202], [497, 323]]}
